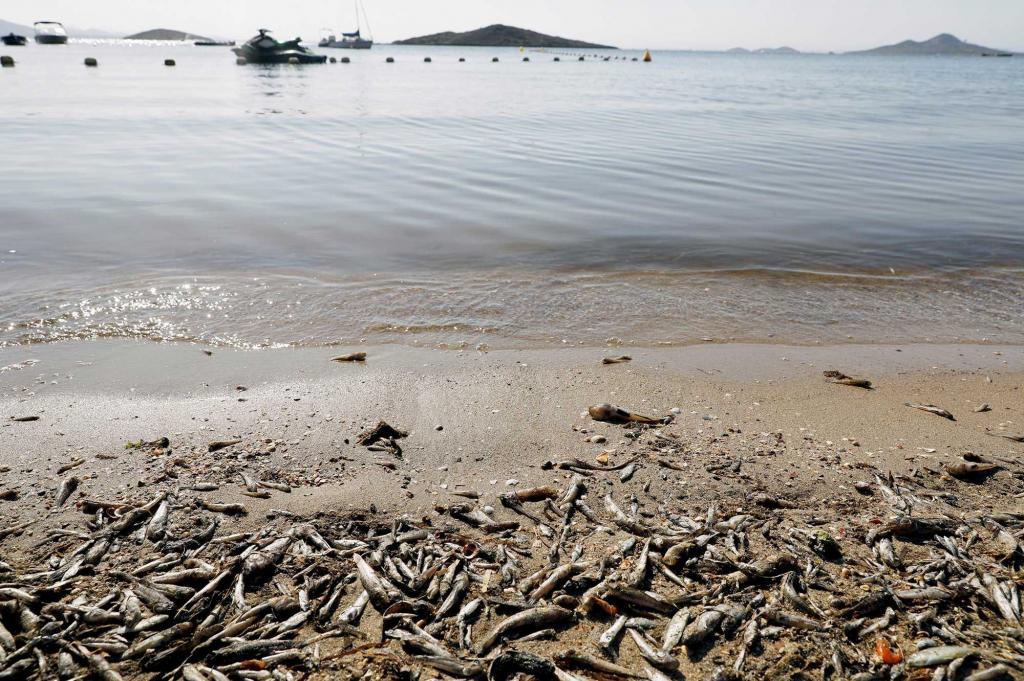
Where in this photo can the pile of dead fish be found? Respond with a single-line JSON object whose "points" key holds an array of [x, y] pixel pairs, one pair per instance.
{"points": [[556, 583]]}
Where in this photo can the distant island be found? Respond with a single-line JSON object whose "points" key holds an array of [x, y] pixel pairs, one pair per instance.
{"points": [[942, 44], [764, 50], [500, 35], [165, 34]]}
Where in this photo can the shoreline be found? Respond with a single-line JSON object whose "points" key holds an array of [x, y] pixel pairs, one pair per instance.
{"points": [[763, 454]]}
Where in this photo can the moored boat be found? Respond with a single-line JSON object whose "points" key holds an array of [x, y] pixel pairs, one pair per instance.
{"points": [[13, 40], [214, 43], [50, 33], [354, 40], [263, 49]]}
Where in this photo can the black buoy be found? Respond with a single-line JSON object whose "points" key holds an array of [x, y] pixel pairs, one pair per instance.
{"points": [[461, 59], [345, 60], [6, 61], [526, 59], [558, 59], [390, 60], [427, 60], [494, 60], [635, 59], [583, 58], [169, 62], [333, 60], [91, 61]]}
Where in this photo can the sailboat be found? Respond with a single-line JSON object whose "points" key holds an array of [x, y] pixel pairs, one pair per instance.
{"points": [[354, 40]]}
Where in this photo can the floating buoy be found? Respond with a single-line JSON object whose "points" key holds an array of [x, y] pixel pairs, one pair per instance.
{"points": [[241, 61], [647, 55], [558, 59], [494, 60], [91, 61], [6, 61], [333, 60], [462, 59], [427, 60], [345, 60], [526, 59], [635, 59], [583, 58], [169, 62], [293, 60], [390, 60]]}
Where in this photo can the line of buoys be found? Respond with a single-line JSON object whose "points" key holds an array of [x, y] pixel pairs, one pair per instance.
{"points": [[91, 61], [169, 62], [6, 61]]}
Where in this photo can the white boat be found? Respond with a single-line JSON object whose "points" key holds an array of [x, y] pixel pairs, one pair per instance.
{"points": [[50, 33], [350, 41]]}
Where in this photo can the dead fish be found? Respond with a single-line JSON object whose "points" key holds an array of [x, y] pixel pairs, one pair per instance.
{"points": [[606, 642], [627, 473], [24, 419], [839, 377], [983, 408], [158, 523], [354, 612], [998, 671], [278, 486], [67, 488], [931, 409], [227, 509], [612, 414], [576, 660], [674, 631], [968, 469], [218, 445], [381, 592], [1012, 438], [534, 618], [617, 360], [351, 357], [658, 658], [68, 466], [932, 657]]}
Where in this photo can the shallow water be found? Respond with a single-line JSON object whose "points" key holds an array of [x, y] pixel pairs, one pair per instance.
{"points": [[753, 197]]}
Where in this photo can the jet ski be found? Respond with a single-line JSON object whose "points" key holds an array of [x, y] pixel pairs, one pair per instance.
{"points": [[14, 40], [263, 49]]}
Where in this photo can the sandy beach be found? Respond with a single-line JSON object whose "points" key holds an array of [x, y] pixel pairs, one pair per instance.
{"points": [[753, 433]]}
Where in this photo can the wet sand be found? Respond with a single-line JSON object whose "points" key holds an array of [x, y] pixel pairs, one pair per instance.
{"points": [[763, 409]]}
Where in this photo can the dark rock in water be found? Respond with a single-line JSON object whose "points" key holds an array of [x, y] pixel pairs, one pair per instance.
{"points": [[390, 60], [498, 35], [169, 62], [6, 61], [91, 61]]}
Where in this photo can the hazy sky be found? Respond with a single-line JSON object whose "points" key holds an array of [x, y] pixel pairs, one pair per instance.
{"points": [[687, 24]]}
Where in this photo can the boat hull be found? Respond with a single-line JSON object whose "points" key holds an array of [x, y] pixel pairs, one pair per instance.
{"points": [[347, 44], [52, 39], [14, 40], [279, 57]]}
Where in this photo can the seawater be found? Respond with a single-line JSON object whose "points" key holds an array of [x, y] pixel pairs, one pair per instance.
{"points": [[808, 198]]}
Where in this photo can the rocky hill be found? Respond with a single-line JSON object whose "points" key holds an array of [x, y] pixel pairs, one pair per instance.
{"points": [[499, 35], [942, 44]]}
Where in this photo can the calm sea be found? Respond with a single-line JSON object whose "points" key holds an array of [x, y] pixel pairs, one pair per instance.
{"points": [[702, 196]]}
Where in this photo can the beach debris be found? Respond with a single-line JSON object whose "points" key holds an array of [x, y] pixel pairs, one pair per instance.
{"points": [[612, 414], [983, 408], [931, 409], [970, 469], [218, 445], [351, 357], [617, 360], [1007, 436], [382, 431], [833, 376], [66, 489]]}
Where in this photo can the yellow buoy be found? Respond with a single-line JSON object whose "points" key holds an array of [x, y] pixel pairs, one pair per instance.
{"points": [[647, 55]]}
